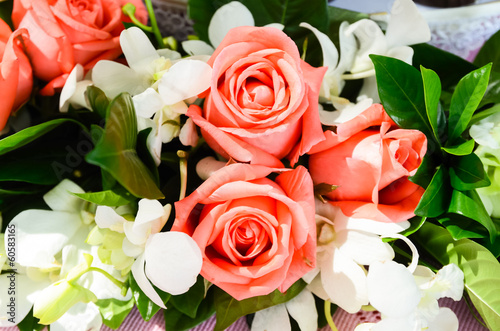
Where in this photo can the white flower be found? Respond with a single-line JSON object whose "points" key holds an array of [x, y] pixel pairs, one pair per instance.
{"points": [[73, 91]]}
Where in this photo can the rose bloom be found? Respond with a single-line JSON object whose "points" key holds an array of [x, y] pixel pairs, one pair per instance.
{"points": [[16, 79], [255, 234], [263, 101], [370, 160], [66, 32]]}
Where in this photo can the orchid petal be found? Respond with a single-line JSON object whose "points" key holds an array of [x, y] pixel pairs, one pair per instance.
{"points": [[69, 87], [371, 41], [399, 32], [61, 199], [330, 52], [138, 50], [394, 324], [147, 103], [173, 261], [80, 317], [107, 218], [197, 47], [345, 114], [114, 78], [274, 318], [449, 282], [445, 320], [392, 289], [141, 280], [188, 135], [231, 15], [185, 79], [169, 54], [150, 210], [278, 26], [302, 308], [364, 248], [131, 249]]}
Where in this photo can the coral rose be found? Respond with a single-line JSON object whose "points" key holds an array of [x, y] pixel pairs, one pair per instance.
{"points": [[66, 32], [256, 235], [16, 80], [263, 101], [370, 161]]}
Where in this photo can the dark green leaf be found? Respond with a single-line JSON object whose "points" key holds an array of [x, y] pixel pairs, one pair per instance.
{"points": [[483, 114], [465, 100], [6, 12], [114, 311], [31, 133], [228, 309], [98, 100], [492, 94], [467, 173], [188, 302], [115, 151], [30, 323], [469, 205], [107, 198], [489, 53], [480, 267], [401, 92], [463, 148], [461, 227], [415, 224], [146, 307], [177, 321], [436, 197], [432, 93], [425, 171]]}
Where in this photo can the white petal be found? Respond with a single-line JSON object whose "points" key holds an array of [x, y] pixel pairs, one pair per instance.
{"points": [[207, 166], [345, 114], [344, 281], [147, 103], [197, 47], [69, 87], [449, 282], [61, 199], [446, 320], [169, 54], [173, 261], [392, 289], [41, 234], [141, 280], [364, 327], [303, 310], [80, 317], [316, 287], [414, 259], [150, 210], [278, 26], [114, 78], [130, 249], [185, 79], [395, 324], [330, 52], [371, 41], [399, 32], [26, 291], [348, 48], [274, 318], [364, 248], [188, 135], [229, 16], [137, 48], [107, 218], [403, 53]]}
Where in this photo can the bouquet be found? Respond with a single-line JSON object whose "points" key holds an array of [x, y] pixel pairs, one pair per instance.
{"points": [[288, 159]]}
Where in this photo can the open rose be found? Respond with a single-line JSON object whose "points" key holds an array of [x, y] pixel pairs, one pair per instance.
{"points": [[16, 79], [255, 234], [370, 162], [66, 32], [263, 101]]}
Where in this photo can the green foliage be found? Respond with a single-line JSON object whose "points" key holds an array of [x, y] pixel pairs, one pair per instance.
{"points": [[112, 198], [114, 312], [489, 53], [30, 323], [6, 11], [146, 307]]}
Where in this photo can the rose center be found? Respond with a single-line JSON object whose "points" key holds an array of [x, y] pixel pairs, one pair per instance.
{"points": [[249, 238]]}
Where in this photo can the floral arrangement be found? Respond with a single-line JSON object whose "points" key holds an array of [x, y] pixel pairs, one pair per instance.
{"points": [[285, 160]]}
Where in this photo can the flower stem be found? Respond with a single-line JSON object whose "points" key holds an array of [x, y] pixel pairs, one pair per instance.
{"points": [[129, 10], [328, 315], [108, 276], [154, 24], [183, 170]]}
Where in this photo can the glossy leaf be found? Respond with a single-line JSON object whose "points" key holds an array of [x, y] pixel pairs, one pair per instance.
{"points": [[107, 198], [146, 307], [465, 100], [489, 53], [425, 171], [467, 173], [464, 148], [228, 309], [189, 302], [114, 312], [401, 92], [432, 93], [461, 227], [480, 267], [483, 114], [30, 134], [30, 323], [98, 100], [115, 152], [435, 199], [177, 321], [469, 205]]}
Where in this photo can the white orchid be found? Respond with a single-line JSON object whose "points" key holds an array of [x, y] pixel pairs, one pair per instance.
{"points": [[170, 260], [345, 246], [73, 92]]}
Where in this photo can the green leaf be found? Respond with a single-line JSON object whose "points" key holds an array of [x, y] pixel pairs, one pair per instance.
{"points": [[461, 227], [425, 171], [6, 12], [469, 205], [107, 198], [98, 100], [177, 321], [432, 93], [435, 199], [463, 148], [188, 302], [483, 114], [30, 134], [115, 151], [489, 53], [228, 309], [465, 100], [401, 92], [480, 267], [415, 224], [114, 311], [30, 323], [146, 307], [467, 173]]}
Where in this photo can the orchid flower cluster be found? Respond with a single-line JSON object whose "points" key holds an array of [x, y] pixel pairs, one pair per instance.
{"points": [[259, 167]]}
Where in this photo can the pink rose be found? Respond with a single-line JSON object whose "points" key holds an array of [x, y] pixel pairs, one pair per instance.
{"points": [[16, 79], [263, 102], [256, 235], [65, 32], [370, 160]]}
